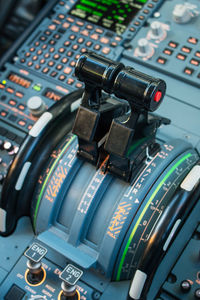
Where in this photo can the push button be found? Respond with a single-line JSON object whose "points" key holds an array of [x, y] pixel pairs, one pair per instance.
{"points": [[15, 292]]}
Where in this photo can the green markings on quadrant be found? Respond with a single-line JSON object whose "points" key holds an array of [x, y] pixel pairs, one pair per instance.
{"points": [[47, 178], [173, 168]]}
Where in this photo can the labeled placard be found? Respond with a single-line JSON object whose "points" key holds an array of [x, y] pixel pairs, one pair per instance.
{"points": [[36, 252], [71, 274]]}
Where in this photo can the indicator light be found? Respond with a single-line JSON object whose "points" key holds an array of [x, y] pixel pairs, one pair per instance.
{"points": [[4, 81], [157, 96]]}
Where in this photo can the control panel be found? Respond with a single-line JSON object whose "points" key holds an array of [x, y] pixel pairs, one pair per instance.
{"points": [[86, 215]]}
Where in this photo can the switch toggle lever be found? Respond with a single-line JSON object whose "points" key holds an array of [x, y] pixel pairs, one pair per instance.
{"points": [[35, 274], [70, 275]]}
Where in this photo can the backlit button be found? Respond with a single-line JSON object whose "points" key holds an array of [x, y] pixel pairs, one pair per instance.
{"points": [[192, 40], [52, 49], [97, 47], [45, 70], [28, 54], [67, 70], [30, 63], [19, 95], [77, 56], [57, 36], [181, 56], [53, 74], [52, 42], [105, 50], [136, 23], [173, 44], [61, 16], [62, 77], [10, 90], [186, 49], [161, 60], [70, 53], [89, 44], [75, 28], [75, 47], [85, 32], [67, 43], [99, 30], [94, 36], [4, 113], [12, 102], [72, 37], [90, 27], [185, 286], [47, 55], [197, 54], [65, 25], [42, 61], [64, 60], [70, 81], [168, 51], [83, 50], [39, 52], [51, 63], [194, 62], [2, 86], [44, 46], [79, 85], [80, 40], [32, 49], [79, 23], [72, 63], [71, 20], [188, 71], [56, 56], [59, 67], [47, 32], [22, 123], [21, 107], [61, 50]]}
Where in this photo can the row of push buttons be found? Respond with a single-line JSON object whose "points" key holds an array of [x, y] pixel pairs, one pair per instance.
{"points": [[13, 110], [55, 54], [182, 55]]}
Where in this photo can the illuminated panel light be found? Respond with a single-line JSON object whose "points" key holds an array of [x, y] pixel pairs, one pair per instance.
{"points": [[19, 80]]}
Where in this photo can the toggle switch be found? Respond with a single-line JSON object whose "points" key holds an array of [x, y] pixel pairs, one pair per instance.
{"points": [[69, 276], [35, 274]]}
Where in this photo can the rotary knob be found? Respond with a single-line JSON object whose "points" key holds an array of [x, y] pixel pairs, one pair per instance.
{"points": [[144, 49], [183, 13], [36, 106], [157, 31]]}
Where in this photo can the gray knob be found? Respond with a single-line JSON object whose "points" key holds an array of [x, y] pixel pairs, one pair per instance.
{"points": [[156, 30], [144, 48], [183, 13], [36, 106]]}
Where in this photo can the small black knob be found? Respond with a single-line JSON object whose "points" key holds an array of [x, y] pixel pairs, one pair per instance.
{"points": [[185, 286], [197, 294]]}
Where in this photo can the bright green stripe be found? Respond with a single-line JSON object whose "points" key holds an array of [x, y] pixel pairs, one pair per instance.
{"points": [[49, 174], [143, 1], [89, 3], [145, 209], [84, 8]]}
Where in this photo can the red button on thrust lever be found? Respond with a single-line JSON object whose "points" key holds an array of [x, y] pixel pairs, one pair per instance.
{"points": [[158, 96]]}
